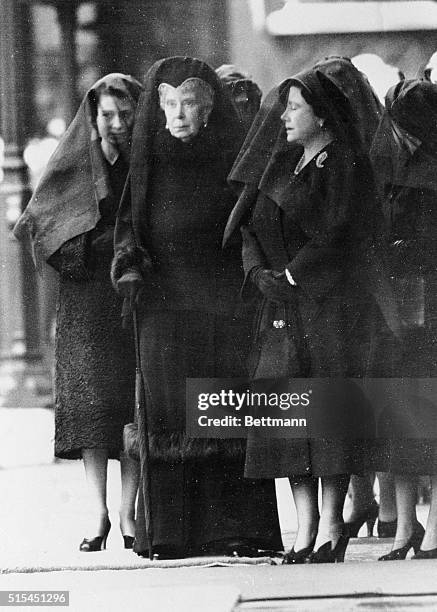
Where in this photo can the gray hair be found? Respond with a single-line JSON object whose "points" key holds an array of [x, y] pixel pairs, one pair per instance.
{"points": [[203, 90]]}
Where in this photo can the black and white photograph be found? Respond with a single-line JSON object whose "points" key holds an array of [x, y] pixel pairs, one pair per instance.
{"points": [[218, 305]]}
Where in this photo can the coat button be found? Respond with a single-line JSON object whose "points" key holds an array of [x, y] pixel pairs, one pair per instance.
{"points": [[279, 324]]}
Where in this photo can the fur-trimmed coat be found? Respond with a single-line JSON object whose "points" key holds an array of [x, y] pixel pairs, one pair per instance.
{"points": [[189, 313]]}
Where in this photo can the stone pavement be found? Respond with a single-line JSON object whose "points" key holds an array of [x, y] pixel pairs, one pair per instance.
{"points": [[42, 519], [349, 586]]}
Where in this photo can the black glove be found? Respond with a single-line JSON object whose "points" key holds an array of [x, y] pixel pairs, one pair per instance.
{"points": [[273, 285]]}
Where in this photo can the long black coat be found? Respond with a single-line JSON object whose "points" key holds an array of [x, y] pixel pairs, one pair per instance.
{"points": [[410, 423], [316, 229], [405, 159], [169, 229], [69, 223], [95, 361]]}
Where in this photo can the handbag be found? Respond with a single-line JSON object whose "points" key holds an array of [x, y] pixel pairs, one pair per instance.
{"points": [[280, 349]]}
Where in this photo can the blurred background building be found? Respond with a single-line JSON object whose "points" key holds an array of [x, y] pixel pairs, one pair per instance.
{"points": [[51, 51]]}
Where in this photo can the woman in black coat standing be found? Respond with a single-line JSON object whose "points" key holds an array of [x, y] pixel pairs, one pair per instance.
{"points": [[69, 223], [405, 159], [168, 258], [307, 211], [368, 111]]}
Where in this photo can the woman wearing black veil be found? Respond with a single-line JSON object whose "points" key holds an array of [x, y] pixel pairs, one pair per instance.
{"points": [[405, 158], [363, 507], [307, 213], [357, 89], [168, 245], [69, 223]]}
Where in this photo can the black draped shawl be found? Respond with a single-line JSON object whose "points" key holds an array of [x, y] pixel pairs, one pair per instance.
{"points": [[412, 105], [405, 162], [259, 165], [262, 167], [66, 200], [224, 132], [356, 87]]}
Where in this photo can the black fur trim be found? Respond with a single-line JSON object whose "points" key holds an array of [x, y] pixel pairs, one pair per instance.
{"points": [[129, 258], [130, 440], [176, 447]]}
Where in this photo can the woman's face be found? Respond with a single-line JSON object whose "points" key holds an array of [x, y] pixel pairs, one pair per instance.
{"points": [[185, 113], [301, 123], [115, 119]]}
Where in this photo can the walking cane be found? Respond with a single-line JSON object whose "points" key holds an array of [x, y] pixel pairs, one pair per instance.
{"points": [[142, 397]]}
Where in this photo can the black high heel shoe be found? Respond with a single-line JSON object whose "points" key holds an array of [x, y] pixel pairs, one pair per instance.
{"points": [[128, 541], [327, 554], [97, 543], [369, 517], [297, 557], [387, 529], [414, 542]]}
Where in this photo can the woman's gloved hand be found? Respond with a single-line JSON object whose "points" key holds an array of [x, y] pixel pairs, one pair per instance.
{"points": [[129, 286], [273, 285]]}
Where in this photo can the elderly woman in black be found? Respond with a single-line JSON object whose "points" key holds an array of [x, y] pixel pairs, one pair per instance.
{"points": [[306, 211], [405, 159], [168, 258], [69, 223]]}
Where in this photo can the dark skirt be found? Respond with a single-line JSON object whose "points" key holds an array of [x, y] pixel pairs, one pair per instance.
{"points": [[409, 420], [329, 348], [198, 492], [199, 505], [95, 366]]}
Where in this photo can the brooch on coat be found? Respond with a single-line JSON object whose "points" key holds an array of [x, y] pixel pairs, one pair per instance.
{"points": [[320, 159]]}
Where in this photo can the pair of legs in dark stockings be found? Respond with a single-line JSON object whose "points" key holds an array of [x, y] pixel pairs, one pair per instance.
{"points": [[96, 469], [363, 499], [316, 527]]}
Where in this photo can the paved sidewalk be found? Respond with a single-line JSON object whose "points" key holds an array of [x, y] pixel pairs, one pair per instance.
{"points": [[43, 517], [350, 586]]}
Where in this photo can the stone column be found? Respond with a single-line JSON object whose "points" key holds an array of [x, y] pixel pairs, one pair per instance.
{"points": [[111, 57], [67, 20], [20, 339]]}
